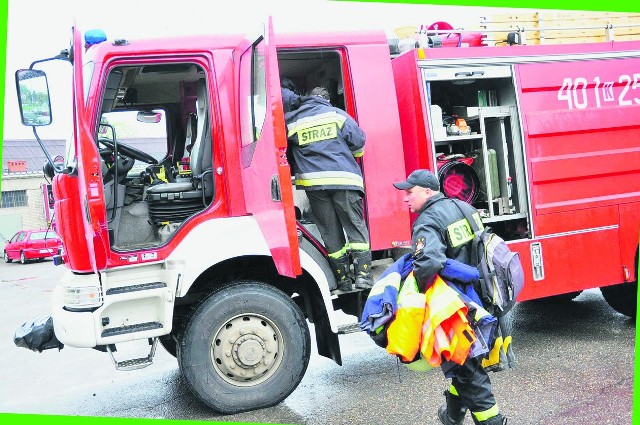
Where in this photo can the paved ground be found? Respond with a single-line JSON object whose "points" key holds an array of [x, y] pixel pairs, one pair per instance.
{"points": [[575, 366]]}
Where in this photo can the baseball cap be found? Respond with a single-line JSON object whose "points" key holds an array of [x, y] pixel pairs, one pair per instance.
{"points": [[422, 178]]}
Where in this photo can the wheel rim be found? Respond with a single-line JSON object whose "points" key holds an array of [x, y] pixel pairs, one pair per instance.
{"points": [[22, 258], [247, 350]]}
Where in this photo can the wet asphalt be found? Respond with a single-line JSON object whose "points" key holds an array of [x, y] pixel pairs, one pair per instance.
{"points": [[574, 366]]}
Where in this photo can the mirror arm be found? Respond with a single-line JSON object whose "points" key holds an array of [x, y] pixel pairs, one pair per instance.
{"points": [[46, 153], [64, 55]]}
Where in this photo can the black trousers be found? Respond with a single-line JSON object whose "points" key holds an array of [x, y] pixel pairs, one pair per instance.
{"points": [[338, 212], [473, 386]]}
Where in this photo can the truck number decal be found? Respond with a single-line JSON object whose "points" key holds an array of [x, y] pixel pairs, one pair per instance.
{"points": [[574, 91]]}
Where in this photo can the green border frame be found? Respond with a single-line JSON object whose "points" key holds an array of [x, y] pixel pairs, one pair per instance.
{"points": [[593, 5]]}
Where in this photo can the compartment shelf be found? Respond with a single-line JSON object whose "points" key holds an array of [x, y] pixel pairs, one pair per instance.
{"points": [[449, 139], [504, 217]]}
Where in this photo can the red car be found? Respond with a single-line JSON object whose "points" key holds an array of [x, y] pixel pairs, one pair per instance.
{"points": [[28, 245]]}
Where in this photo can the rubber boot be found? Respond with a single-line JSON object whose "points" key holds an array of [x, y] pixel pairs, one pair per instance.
{"points": [[362, 269], [453, 411], [340, 267], [496, 420]]}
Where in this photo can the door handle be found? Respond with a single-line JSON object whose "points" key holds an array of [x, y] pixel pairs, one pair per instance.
{"points": [[469, 73], [276, 193]]}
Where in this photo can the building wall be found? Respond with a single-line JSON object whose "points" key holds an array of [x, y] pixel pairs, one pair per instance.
{"points": [[20, 218]]}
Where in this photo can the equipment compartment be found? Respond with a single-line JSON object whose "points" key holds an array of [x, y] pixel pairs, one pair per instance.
{"points": [[474, 120]]}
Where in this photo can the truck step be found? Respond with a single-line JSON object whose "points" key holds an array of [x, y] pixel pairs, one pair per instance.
{"points": [[349, 329], [135, 288], [140, 327], [133, 364]]}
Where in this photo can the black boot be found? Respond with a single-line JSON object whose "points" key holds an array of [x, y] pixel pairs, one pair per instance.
{"points": [[362, 269], [453, 411], [340, 267], [496, 420]]}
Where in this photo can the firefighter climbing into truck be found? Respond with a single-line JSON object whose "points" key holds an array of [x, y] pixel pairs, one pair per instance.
{"points": [[185, 229]]}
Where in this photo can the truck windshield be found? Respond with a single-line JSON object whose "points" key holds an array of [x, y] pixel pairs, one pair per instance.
{"points": [[150, 137]]}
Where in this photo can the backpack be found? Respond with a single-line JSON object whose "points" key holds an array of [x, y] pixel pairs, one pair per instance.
{"points": [[501, 273]]}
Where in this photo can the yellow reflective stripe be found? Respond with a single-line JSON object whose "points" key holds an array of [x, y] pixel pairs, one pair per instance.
{"points": [[359, 246], [459, 232], [453, 390], [329, 181], [315, 121], [506, 344], [392, 280], [338, 254], [494, 354], [412, 300], [358, 153], [487, 414]]}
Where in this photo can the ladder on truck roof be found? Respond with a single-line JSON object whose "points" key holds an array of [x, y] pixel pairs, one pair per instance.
{"points": [[522, 29]]}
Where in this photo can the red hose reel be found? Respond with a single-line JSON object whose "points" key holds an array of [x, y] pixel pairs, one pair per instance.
{"points": [[457, 178]]}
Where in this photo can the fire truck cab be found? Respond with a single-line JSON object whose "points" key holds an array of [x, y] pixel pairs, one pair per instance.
{"points": [[179, 216]]}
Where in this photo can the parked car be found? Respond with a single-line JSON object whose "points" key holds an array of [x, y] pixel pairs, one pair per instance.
{"points": [[28, 245]]}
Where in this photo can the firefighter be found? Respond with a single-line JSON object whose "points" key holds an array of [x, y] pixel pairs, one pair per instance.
{"points": [[325, 142], [441, 231]]}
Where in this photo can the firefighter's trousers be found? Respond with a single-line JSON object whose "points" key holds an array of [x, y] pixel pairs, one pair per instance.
{"points": [[338, 212], [471, 382]]}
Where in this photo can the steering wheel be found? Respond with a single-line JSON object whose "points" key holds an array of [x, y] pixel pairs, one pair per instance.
{"points": [[129, 151]]}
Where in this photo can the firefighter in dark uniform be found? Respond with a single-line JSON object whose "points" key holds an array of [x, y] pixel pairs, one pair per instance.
{"points": [[325, 142], [439, 232]]}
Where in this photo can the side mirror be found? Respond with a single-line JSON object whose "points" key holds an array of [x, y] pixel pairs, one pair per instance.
{"points": [[33, 97]]}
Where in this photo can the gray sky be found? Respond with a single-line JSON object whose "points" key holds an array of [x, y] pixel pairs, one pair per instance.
{"points": [[39, 29]]}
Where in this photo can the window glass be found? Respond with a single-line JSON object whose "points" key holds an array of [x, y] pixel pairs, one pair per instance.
{"points": [[149, 137], [253, 96], [21, 237], [38, 236], [14, 199], [87, 75]]}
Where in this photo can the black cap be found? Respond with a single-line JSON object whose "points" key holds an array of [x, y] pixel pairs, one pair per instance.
{"points": [[320, 91], [422, 178]]}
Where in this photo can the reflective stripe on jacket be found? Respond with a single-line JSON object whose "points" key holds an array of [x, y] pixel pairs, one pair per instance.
{"points": [[433, 323], [324, 143], [446, 333], [405, 332]]}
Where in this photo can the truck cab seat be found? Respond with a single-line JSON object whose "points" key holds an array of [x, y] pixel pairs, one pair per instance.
{"points": [[176, 201]]}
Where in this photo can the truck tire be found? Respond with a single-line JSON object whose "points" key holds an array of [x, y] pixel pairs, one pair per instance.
{"points": [[246, 347], [622, 298], [396, 253], [562, 298]]}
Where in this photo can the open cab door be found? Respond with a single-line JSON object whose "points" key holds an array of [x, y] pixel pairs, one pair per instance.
{"points": [[88, 169], [266, 175]]}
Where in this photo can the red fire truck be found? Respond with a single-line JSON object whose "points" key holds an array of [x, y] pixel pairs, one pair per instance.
{"points": [[186, 229]]}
